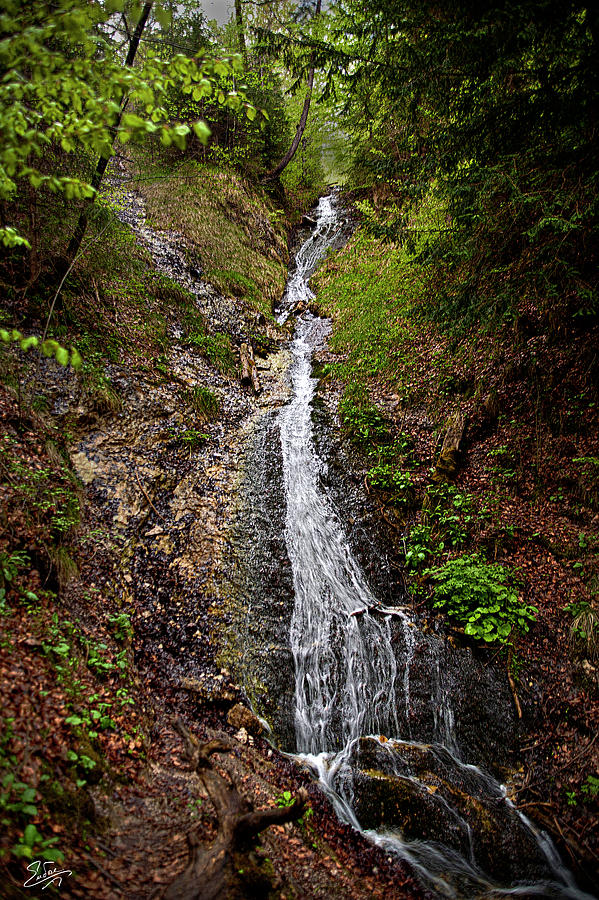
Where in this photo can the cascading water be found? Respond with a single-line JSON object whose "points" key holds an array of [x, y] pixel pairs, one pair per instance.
{"points": [[352, 659]]}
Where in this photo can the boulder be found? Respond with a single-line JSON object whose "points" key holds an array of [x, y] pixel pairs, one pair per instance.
{"points": [[240, 717], [425, 794]]}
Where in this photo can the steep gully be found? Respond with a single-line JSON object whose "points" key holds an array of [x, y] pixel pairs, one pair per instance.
{"points": [[390, 720]]}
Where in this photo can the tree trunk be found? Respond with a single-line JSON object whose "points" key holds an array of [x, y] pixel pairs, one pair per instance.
{"points": [[274, 173], [448, 462], [223, 869], [240, 31], [96, 180], [249, 372]]}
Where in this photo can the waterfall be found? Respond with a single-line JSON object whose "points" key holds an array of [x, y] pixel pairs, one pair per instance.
{"points": [[352, 660]]}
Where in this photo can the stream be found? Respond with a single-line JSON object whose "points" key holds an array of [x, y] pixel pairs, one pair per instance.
{"points": [[399, 728]]}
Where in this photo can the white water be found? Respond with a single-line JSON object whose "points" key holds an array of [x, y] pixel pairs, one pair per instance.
{"points": [[348, 682]]}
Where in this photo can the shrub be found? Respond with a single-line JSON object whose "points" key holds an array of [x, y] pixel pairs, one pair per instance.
{"points": [[387, 477], [204, 403], [482, 597]]}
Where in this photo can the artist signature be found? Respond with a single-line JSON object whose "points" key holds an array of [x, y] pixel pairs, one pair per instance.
{"points": [[45, 873]]}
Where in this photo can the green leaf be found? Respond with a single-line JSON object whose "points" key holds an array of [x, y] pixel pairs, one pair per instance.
{"points": [[28, 343], [163, 15], [31, 835], [49, 347], [52, 855], [201, 131], [76, 360], [62, 356]]}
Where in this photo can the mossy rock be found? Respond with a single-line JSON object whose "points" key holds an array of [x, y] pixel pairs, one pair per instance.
{"points": [[422, 792]]}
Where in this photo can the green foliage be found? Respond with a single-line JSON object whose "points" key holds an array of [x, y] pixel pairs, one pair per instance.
{"points": [[588, 478], [584, 630], [370, 290], [480, 596], [491, 111], [48, 348], [505, 467], [285, 799], [11, 563], [64, 84], [121, 627], [217, 350], [447, 515], [45, 494], [98, 657], [449, 510], [193, 438], [203, 402], [363, 422], [238, 233], [590, 788], [19, 805], [419, 547], [387, 477]]}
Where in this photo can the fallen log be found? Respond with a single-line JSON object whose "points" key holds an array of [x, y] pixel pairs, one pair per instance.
{"points": [[249, 371], [226, 868], [448, 462]]}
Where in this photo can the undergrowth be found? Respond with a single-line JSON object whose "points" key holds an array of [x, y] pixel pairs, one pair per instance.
{"points": [[481, 596]]}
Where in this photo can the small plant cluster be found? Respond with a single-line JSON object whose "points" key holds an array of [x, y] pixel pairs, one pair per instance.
{"points": [[503, 467], [390, 470], [584, 630], [286, 799], [216, 348], [362, 421], [11, 562], [589, 792], [42, 495], [18, 806], [589, 479], [204, 403], [387, 477], [61, 640], [482, 597], [446, 519]]}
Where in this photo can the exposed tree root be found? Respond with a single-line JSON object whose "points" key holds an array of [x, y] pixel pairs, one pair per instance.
{"points": [[227, 867]]}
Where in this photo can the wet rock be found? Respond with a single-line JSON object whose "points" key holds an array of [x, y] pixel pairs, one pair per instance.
{"points": [[425, 793], [243, 737], [211, 689], [239, 716]]}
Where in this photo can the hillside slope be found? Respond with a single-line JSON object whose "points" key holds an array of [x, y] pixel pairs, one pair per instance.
{"points": [[479, 444]]}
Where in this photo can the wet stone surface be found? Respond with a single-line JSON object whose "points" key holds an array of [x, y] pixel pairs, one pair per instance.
{"points": [[429, 795]]}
